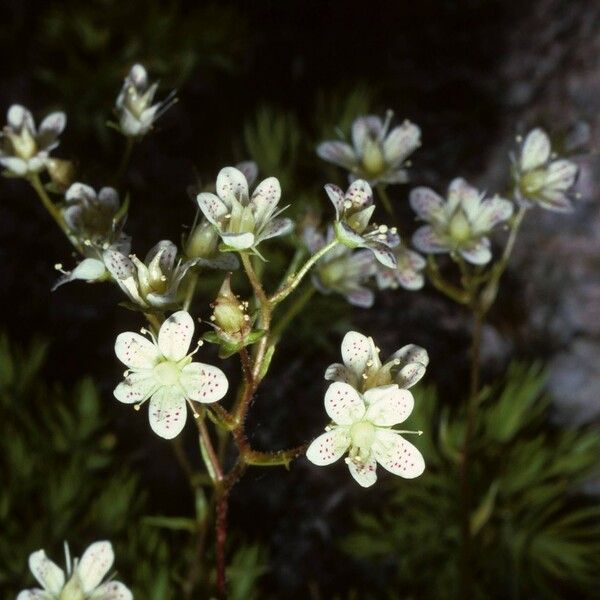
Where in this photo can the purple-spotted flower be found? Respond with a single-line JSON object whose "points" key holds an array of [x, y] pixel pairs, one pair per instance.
{"points": [[362, 368], [540, 178], [407, 274], [154, 282], [461, 223], [243, 221], [134, 104], [353, 212], [161, 370], [95, 226], [341, 270], [362, 425], [83, 580], [25, 150], [376, 154]]}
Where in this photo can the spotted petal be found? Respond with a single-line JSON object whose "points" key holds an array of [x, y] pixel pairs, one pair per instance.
{"points": [[363, 128], [175, 335], [239, 241], [397, 455], [561, 175], [410, 374], [336, 195], [14, 164], [425, 202], [338, 153], [388, 405], [35, 594], [275, 228], [343, 403], [120, 266], [231, 182], [383, 254], [479, 253], [112, 590], [136, 351], [329, 447], [339, 372], [168, 412], [265, 199], [411, 353], [360, 194], [401, 142], [49, 575], [364, 473], [249, 169], [212, 207], [536, 150], [18, 115], [52, 126], [361, 296], [136, 387], [203, 383], [356, 352], [94, 565], [491, 213], [427, 240]]}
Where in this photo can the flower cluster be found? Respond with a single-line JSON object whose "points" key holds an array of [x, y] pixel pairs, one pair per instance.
{"points": [[539, 177], [83, 579], [461, 223], [365, 401], [377, 154], [161, 370], [25, 150]]}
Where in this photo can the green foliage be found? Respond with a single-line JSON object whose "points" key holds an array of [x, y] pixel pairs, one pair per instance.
{"points": [[535, 533]]}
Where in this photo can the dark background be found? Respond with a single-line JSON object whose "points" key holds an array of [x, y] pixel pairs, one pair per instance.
{"points": [[471, 73]]}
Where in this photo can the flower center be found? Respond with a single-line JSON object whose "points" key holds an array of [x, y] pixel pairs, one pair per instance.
{"points": [[459, 228], [373, 160], [533, 181], [362, 435], [72, 591], [23, 143], [167, 372]]}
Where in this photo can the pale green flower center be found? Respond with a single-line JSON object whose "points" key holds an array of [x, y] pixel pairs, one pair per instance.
{"points": [[136, 103], [533, 181], [167, 372], [24, 144], [72, 591], [459, 227], [373, 160], [362, 435], [202, 243]]}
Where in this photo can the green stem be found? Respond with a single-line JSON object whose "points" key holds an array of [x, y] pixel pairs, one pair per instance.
{"points": [[385, 200], [437, 280], [125, 158], [285, 291], [189, 294]]}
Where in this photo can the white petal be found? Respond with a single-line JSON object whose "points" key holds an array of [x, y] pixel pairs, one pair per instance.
{"points": [[265, 199], [401, 142], [536, 150], [79, 191], [364, 473], [119, 265], [556, 201], [339, 372], [16, 165], [338, 153], [203, 383], [397, 455], [383, 254], [336, 195], [239, 241], [95, 564], [136, 387], [231, 182], [112, 590], [89, 269], [362, 297], [425, 202], [461, 192], [168, 412], [491, 213], [388, 405], [168, 253], [136, 351], [369, 126], [428, 241], [212, 207], [479, 253], [356, 351], [347, 236], [109, 198], [49, 575], [360, 194], [410, 374], [329, 447], [18, 115], [34, 594], [250, 170], [175, 335], [411, 353], [343, 403], [561, 175], [129, 124], [53, 124], [138, 76], [410, 279], [275, 228]]}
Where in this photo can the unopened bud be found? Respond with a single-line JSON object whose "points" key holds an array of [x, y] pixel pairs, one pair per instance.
{"points": [[229, 315], [62, 172], [202, 242]]}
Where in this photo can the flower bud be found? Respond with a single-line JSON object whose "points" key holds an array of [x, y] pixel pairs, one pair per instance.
{"points": [[62, 172], [202, 242], [229, 315]]}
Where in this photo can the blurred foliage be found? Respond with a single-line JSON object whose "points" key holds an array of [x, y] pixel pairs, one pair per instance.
{"points": [[534, 534], [62, 478]]}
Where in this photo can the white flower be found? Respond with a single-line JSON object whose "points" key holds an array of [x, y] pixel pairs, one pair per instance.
{"points": [[363, 369], [244, 221], [353, 212], [154, 282], [23, 148], [407, 274], [84, 581], [459, 224], [341, 270], [134, 105], [539, 179], [375, 154], [161, 369], [362, 426]]}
